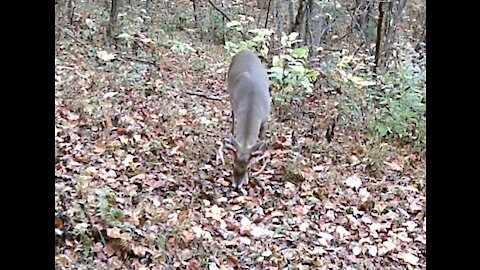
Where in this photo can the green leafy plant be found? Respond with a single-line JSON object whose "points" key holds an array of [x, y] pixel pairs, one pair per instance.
{"points": [[109, 213], [289, 71], [388, 106], [402, 110], [180, 47], [260, 40]]}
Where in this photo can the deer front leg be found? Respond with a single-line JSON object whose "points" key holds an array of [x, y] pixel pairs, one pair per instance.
{"points": [[263, 131], [233, 122], [262, 136]]}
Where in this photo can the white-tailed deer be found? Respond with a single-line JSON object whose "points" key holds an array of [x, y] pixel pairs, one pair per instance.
{"points": [[250, 100]]}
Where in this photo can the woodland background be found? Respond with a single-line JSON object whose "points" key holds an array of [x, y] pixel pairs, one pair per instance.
{"points": [[141, 107]]}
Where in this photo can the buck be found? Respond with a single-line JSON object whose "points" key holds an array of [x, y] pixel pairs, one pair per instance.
{"points": [[250, 103]]}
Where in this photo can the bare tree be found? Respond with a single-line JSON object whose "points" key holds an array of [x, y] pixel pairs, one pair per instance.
{"points": [[262, 4], [379, 35], [296, 27], [314, 26], [278, 10], [291, 13], [268, 13], [113, 19], [195, 12]]}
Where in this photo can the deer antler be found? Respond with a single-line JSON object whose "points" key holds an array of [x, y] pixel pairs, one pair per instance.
{"points": [[220, 155], [263, 165]]}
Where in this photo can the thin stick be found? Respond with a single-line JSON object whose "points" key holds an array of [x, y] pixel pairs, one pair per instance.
{"points": [[219, 10], [63, 176], [71, 35], [204, 95], [127, 57], [268, 12], [131, 58]]}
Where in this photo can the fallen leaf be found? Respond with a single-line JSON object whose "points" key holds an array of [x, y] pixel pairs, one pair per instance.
{"points": [[389, 245], [105, 56], [64, 260], [236, 207], [245, 240], [140, 251], [323, 242], [372, 250], [342, 231], [245, 222], [194, 265], [353, 182], [189, 236], [277, 213], [267, 253], [213, 266], [115, 233], [92, 171], [410, 225], [303, 227], [325, 236], [214, 212], [356, 250], [109, 95], [354, 160], [394, 166], [198, 231], [58, 223], [127, 161], [408, 257], [363, 194]]}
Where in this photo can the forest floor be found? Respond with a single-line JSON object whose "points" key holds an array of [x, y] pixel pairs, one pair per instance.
{"points": [[138, 185]]}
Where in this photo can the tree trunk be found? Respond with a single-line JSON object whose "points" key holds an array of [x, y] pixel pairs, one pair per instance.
{"points": [[299, 18], [315, 25], [262, 4], [195, 14], [113, 19], [278, 20], [291, 12], [379, 35]]}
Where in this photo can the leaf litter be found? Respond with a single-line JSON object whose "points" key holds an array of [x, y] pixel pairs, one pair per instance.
{"points": [[137, 185]]}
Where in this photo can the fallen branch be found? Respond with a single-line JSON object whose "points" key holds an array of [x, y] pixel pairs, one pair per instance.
{"points": [[63, 176], [92, 225], [219, 10], [71, 35], [131, 58], [125, 57], [204, 95]]}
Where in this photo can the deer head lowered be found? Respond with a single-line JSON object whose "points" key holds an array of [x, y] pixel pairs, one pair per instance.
{"points": [[250, 100]]}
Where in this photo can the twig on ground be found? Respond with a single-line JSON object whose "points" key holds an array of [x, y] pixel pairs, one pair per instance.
{"points": [[204, 95]]}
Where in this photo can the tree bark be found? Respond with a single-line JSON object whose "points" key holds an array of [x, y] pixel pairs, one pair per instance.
{"points": [[379, 35], [299, 18], [113, 19]]}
